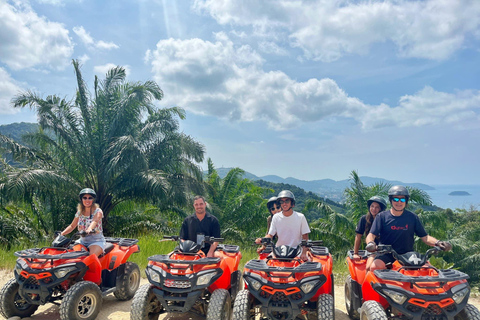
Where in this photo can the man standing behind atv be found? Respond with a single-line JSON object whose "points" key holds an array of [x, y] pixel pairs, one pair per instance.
{"points": [[290, 226], [199, 225], [397, 227]]}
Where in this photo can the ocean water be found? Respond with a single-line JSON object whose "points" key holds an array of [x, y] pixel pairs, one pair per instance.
{"points": [[441, 198]]}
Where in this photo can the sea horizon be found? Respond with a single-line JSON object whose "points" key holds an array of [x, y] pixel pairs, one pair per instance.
{"points": [[441, 198]]}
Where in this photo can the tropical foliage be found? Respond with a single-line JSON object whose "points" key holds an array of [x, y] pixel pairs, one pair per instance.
{"points": [[114, 141]]}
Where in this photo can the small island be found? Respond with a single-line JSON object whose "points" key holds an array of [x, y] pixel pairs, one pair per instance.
{"points": [[459, 193]]}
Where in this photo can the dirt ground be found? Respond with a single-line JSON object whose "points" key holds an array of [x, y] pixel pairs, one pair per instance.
{"points": [[113, 309]]}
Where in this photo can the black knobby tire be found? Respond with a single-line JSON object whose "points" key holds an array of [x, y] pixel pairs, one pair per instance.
{"points": [[235, 290], [12, 304], [220, 305], [470, 312], [349, 297], [325, 307], [242, 307], [127, 282], [372, 310], [82, 301], [145, 305]]}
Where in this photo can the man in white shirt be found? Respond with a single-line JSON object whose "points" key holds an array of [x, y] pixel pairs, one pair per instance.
{"points": [[290, 226]]}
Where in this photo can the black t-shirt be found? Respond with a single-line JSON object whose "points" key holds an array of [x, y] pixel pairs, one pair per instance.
{"points": [[194, 229], [362, 225], [399, 231]]}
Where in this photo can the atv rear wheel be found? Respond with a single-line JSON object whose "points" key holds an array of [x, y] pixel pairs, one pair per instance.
{"points": [[128, 282], [349, 296], [470, 312], [145, 305], [82, 301], [242, 307], [325, 307], [12, 304], [372, 310], [220, 305]]}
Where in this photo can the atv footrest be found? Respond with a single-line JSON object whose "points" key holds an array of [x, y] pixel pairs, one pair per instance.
{"points": [[319, 251], [228, 248], [122, 242]]}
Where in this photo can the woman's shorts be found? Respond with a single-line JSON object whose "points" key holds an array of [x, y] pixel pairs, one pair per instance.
{"points": [[94, 239]]}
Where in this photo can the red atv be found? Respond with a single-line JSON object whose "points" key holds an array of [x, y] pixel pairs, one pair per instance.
{"points": [[279, 285], [410, 288], [185, 280], [67, 272]]}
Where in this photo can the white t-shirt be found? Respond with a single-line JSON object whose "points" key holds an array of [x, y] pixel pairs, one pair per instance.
{"points": [[289, 230]]}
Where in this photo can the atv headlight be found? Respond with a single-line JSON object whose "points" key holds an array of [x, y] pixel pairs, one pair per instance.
{"points": [[256, 285], [62, 272], [460, 295], [205, 278], [308, 286], [396, 296], [153, 274], [18, 268]]}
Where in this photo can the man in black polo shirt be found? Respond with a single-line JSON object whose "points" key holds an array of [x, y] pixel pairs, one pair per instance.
{"points": [[199, 225]]}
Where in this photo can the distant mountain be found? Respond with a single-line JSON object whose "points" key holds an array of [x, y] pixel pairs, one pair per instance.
{"points": [[16, 130], [327, 188]]}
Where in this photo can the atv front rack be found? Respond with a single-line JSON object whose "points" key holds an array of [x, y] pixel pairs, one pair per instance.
{"points": [[261, 265], [165, 258], [444, 276], [32, 254]]}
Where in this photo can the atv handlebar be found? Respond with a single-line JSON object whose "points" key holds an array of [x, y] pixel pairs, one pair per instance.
{"points": [[305, 243], [207, 239]]}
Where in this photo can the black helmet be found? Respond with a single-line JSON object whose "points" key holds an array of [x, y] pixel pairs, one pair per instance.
{"points": [[287, 194], [398, 191], [87, 191], [271, 201], [379, 200]]}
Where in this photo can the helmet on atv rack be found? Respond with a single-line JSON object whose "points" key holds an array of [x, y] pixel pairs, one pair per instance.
{"points": [[379, 200], [398, 191], [87, 191], [271, 202], [287, 194]]}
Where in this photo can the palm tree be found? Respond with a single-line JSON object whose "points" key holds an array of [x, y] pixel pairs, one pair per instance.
{"points": [[237, 202], [115, 142], [358, 194]]}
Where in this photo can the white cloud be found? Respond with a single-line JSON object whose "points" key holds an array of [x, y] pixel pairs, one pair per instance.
{"points": [[222, 80], [90, 42], [8, 89], [28, 40], [102, 70], [327, 30]]}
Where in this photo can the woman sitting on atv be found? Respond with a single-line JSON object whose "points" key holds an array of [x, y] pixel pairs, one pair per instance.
{"points": [[88, 219], [375, 205]]}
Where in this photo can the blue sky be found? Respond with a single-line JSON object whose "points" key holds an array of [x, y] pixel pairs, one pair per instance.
{"points": [[305, 89]]}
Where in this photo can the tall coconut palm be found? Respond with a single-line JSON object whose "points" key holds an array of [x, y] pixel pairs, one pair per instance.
{"points": [[114, 141], [237, 203]]}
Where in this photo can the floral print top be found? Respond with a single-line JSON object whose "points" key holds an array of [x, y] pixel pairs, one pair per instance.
{"points": [[85, 221]]}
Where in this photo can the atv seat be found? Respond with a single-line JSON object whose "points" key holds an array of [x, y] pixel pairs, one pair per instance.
{"points": [[109, 247]]}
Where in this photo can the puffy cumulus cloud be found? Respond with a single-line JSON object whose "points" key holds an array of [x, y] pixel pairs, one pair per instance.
{"points": [[28, 40], [102, 70], [326, 30], [428, 107], [90, 42], [222, 80], [8, 89]]}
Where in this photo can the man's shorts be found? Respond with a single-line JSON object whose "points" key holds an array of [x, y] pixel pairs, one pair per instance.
{"points": [[386, 258]]}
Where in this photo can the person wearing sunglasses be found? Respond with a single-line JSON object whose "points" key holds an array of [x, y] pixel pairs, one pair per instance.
{"points": [[290, 226], [375, 205], [89, 219], [273, 207], [397, 227]]}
